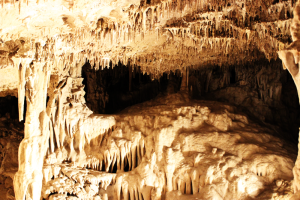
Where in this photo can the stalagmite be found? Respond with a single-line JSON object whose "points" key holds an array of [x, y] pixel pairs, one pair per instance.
{"points": [[28, 180]]}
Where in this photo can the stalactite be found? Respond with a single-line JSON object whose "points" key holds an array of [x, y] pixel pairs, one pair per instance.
{"points": [[51, 137], [21, 90]]}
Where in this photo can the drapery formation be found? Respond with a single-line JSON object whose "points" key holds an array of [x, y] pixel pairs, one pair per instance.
{"points": [[48, 123]]}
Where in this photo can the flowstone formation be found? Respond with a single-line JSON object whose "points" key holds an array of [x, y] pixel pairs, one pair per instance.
{"points": [[172, 148]]}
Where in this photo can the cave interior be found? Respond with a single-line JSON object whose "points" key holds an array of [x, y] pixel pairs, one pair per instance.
{"points": [[149, 99]]}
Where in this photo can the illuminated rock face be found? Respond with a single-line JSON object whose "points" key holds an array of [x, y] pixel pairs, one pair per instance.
{"points": [[169, 148], [290, 59], [172, 148], [158, 36]]}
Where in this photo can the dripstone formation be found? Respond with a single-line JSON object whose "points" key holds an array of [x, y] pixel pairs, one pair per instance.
{"points": [[71, 73]]}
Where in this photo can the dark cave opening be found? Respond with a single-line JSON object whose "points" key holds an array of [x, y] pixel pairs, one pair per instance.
{"points": [[9, 116], [9, 107], [232, 76], [261, 89], [109, 90]]}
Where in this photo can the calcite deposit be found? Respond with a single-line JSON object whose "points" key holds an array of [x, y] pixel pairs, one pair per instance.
{"points": [[71, 72], [172, 148]]}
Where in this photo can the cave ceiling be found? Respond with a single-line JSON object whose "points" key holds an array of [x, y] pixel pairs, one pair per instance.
{"points": [[157, 36]]}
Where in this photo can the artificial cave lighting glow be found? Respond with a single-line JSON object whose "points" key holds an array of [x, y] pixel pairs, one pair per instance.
{"points": [[119, 100]]}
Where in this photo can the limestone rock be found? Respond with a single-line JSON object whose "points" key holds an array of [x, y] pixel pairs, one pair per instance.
{"points": [[172, 147], [8, 182]]}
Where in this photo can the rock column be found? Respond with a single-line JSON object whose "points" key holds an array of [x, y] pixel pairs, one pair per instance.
{"points": [[290, 60], [32, 150]]}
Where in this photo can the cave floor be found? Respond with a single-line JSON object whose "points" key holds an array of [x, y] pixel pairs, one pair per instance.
{"points": [[168, 148]]}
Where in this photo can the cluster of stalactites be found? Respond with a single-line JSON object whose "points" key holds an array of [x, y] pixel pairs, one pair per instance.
{"points": [[211, 37]]}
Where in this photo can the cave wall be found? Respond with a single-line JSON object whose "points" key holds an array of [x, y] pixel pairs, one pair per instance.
{"points": [[262, 89]]}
